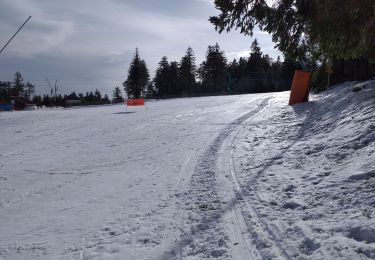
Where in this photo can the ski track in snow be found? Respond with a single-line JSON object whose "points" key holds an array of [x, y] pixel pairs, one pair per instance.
{"points": [[205, 236], [306, 176]]}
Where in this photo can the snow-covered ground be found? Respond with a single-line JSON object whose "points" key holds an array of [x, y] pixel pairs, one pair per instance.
{"points": [[232, 177]]}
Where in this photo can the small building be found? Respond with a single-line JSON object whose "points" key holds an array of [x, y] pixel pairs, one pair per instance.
{"points": [[20, 103]]}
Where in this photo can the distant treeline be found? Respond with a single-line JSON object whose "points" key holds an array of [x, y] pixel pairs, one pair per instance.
{"points": [[16, 88], [90, 98], [257, 73], [215, 75]]}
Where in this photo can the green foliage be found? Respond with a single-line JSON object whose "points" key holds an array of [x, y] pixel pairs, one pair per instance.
{"points": [[305, 29], [167, 81], [344, 29], [98, 95], [117, 95], [37, 100], [285, 21], [187, 73], [138, 77], [255, 74], [174, 86], [18, 85], [28, 90], [106, 100], [212, 71], [161, 80], [319, 79], [5, 87], [16, 88], [151, 91]]}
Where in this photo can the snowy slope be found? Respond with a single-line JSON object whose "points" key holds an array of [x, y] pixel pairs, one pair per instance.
{"points": [[234, 177], [308, 173]]}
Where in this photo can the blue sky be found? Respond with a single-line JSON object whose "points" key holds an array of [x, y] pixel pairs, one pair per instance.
{"points": [[88, 45]]}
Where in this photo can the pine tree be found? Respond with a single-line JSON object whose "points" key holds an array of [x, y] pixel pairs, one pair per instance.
{"points": [[151, 91], [105, 99], [29, 89], [174, 86], [117, 95], [37, 100], [188, 72], [138, 77], [72, 96], [213, 70], [161, 77], [255, 60], [255, 67], [5, 87], [46, 101], [18, 85], [306, 29], [343, 29], [98, 97]]}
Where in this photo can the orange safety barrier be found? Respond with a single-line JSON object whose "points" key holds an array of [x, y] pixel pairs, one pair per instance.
{"points": [[300, 87], [135, 102]]}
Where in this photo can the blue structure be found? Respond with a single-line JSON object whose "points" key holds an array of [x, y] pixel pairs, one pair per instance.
{"points": [[6, 107]]}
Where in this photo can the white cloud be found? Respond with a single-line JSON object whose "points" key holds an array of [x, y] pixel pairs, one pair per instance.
{"points": [[207, 1], [238, 54]]}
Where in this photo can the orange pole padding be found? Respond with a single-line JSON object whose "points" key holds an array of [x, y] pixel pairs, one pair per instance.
{"points": [[135, 102], [300, 87]]}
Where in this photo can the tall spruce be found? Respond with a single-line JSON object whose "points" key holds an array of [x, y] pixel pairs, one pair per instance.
{"points": [[29, 89], [161, 77], [257, 69], [255, 60], [105, 99], [117, 95], [98, 96], [138, 77], [18, 85], [188, 71], [213, 71], [174, 86]]}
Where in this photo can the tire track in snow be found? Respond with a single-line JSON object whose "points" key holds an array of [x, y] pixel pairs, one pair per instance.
{"points": [[205, 235]]}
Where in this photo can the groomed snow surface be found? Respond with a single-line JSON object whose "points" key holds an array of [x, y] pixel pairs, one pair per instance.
{"points": [[231, 177]]}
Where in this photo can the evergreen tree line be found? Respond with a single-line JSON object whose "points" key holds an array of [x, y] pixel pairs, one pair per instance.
{"points": [[339, 33], [18, 88], [90, 98], [214, 76]]}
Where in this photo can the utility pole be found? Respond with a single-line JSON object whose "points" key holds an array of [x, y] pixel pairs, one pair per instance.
{"points": [[56, 90], [14, 35]]}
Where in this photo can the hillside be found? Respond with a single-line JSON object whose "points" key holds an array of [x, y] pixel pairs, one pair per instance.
{"points": [[229, 177]]}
